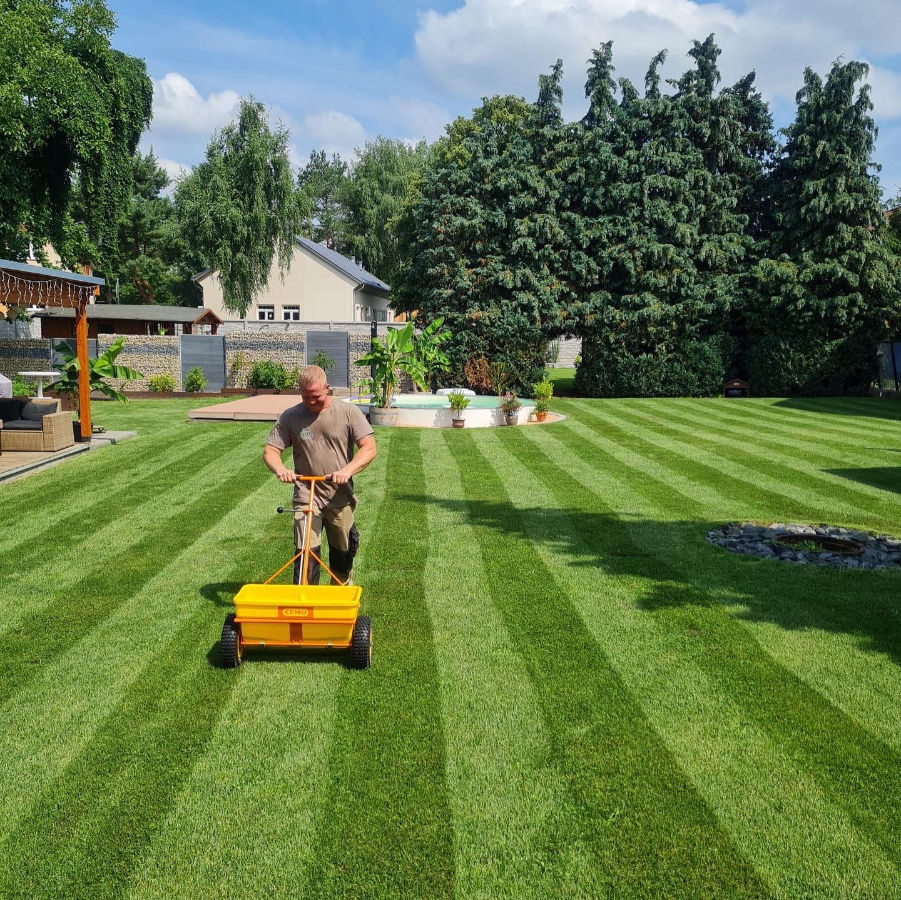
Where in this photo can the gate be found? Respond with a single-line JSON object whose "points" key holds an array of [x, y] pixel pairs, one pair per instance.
{"points": [[334, 345], [208, 352]]}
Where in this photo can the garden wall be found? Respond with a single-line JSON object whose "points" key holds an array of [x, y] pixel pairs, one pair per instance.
{"points": [[151, 355], [244, 348], [25, 355]]}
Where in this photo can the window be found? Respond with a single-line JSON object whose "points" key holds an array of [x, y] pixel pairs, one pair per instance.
{"points": [[290, 313], [381, 315], [364, 313], [266, 313]]}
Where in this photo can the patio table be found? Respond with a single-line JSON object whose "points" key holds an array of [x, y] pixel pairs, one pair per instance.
{"points": [[40, 377]]}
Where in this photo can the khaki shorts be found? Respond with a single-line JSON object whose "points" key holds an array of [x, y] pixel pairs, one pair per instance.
{"points": [[338, 523]]}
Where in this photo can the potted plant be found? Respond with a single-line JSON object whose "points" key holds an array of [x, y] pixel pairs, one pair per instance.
{"points": [[543, 391], [99, 369], [458, 402], [509, 405], [388, 359]]}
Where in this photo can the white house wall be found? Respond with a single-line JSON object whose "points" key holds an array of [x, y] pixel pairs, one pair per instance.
{"points": [[322, 292]]}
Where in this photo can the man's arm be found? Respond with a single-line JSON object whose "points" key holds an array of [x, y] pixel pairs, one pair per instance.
{"points": [[272, 456], [363, 457]]}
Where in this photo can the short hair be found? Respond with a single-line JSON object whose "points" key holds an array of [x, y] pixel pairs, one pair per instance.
{"points": [[310, 376]]}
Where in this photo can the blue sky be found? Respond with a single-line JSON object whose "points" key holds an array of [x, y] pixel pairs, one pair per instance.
{"points": [[340, 73]]}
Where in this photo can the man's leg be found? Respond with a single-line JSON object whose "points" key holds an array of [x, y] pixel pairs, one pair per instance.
{"points": [[343, 540], [315, 542]]}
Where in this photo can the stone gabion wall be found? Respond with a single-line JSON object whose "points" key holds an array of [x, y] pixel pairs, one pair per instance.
{"points": [[244, 348], [32, 354], [150, 354]]}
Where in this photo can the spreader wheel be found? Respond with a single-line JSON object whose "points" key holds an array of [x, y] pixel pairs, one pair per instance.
{"points": [[361, 643], [230, 643]]}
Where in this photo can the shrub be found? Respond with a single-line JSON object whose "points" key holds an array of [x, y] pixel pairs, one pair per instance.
{"points": [[542, 391], [195, 381], [272, 375], [162, 383], [21, 388], [323, 360], [458, 401], [478, 374]]}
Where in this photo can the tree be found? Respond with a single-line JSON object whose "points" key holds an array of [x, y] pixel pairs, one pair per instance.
{"points": [[321, 181], [151, 259], [828, 283], [239, 209], [374, 198], [72, 110]]}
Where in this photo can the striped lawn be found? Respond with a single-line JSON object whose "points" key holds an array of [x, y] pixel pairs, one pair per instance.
{"points": [[573, 694]]}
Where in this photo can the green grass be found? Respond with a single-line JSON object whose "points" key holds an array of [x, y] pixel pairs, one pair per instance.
{"points": [[573, 694]]}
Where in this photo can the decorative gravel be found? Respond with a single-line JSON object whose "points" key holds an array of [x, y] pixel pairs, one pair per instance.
{"points": [[873, 551]]}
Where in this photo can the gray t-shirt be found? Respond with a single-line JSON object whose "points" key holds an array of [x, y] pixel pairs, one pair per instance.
{"points": [[321, 442]]}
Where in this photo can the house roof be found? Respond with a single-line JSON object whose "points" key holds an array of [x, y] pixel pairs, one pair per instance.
{"points": [[340, 262], [347, 266], [141, 312], [28, 269]]}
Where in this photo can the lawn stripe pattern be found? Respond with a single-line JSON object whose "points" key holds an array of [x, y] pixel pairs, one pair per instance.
{"points": [[573, 693], [65, 615], [244, 824], [622, 783], [385, 830], [502, 783], [823, 740]]}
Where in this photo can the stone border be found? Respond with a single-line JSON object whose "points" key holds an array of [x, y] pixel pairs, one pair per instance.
{"points": [[879, 551]]}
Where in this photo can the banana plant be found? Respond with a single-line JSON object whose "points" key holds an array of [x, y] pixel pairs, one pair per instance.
{"points": [[99, 369], [427, 349], [390, 358]]}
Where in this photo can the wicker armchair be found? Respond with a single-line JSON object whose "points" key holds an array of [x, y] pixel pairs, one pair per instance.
{"points": [[54, 433]]}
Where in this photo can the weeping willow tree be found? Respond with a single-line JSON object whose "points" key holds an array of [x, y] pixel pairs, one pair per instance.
{"points": [[239, 209], [72, 110]]}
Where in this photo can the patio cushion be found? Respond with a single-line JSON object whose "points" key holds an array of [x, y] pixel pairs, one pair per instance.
{"points": [[11, 408], [22, 425], [35, 410]]}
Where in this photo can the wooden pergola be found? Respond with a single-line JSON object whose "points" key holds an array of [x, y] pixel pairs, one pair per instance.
{"points": [[23, 286]]}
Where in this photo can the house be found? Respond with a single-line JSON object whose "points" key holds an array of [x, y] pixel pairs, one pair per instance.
{"points": [[320, 286], [123, 318]]}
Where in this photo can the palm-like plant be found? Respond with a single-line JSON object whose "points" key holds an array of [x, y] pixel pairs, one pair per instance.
{"points": [[427, 349], [389, 358], [101, 368]]}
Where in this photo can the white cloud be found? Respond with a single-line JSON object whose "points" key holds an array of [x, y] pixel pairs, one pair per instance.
{"points": [[175, 170], [494, 46], [179, 109], [332, 131], [886, 92]]}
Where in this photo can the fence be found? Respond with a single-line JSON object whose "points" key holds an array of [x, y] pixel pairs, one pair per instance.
{"points": [[889, 357]]}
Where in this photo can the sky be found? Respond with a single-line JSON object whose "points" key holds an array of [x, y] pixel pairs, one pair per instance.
{"points": [[337, 73]]}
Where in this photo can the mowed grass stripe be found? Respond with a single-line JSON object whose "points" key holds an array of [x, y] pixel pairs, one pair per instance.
{"points": [[778, 471], [502, 783], [677, 449], [386, 829], [820, 441], [72, 480], [244, 823], [160, 466], [51, 630], [856, 770], [146, 667], [709, 478], [629, 803], [772, 457], [860, 420], [814, 605]]}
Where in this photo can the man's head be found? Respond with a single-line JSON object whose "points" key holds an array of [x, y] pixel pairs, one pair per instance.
{"points": [[313, 384]]}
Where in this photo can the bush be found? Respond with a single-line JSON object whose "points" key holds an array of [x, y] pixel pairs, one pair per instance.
{"points": [[698, 369], [272, 375], [162, 383], [196, 380], [542, 391], [21, 388]]}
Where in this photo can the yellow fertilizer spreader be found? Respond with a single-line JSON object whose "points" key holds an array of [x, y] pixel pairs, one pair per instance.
{"points": [[298, 615]]}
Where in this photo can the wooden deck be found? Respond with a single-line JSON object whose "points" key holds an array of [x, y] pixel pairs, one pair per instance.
{"points": [[19, 463], [262, 408]]}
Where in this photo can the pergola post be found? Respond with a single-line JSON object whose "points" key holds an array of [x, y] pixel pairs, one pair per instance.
{"points": [[84, 376]]}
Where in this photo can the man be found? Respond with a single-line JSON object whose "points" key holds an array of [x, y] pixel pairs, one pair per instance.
{"points": [[323, 436]]}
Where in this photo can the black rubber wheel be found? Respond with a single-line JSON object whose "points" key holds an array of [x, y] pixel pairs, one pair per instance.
{"points": [[230, 643], [361, 643]]}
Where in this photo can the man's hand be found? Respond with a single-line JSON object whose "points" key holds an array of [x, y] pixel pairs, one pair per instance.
{"points": [[287, 476], [339, 476]]}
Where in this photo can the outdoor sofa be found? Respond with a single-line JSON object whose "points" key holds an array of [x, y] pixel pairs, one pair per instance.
{"points": [[35, 424]]}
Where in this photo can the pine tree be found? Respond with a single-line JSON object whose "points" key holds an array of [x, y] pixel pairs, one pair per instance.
{"points": [[829, 286]]}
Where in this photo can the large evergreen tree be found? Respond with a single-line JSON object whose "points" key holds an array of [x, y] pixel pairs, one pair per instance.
{"points": [[829, 285], [72, 110], [321, 181], [239, 208]]}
